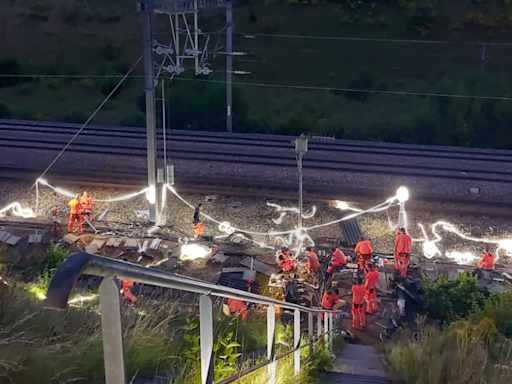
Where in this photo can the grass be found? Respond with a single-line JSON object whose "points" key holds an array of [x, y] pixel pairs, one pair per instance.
{"points": [[50, 347], [462, 353]]}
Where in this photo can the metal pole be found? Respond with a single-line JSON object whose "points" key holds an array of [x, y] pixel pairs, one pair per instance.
{"points": [[271, 339], [311, 329], [331, 327], [164, 123], [229, 65], [149, 88], [206, 334], [296, 340], [300, 190], [318, 326], [326, 328], [196, 37], [112, 331]]}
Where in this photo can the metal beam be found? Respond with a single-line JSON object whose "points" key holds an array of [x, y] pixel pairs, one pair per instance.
{"points": [[311, 330], [206, 334], [112, 331], [296, 340], [271, 339], [174, 7], [229, 66], [149, 89]]}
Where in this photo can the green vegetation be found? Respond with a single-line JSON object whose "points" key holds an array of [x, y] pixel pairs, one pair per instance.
{"points": [[108, 42]]}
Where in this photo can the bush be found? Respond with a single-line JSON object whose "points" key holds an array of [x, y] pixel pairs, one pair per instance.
{"points": [[5, 112], [448, 300], [498, 308], [363, 81], [462, 353], [10, 67]]}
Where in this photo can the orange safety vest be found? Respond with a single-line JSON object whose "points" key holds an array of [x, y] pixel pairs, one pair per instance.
{"points": [[358, 292], [329, 300], [403, 243], [487, 261], [312, 262], [372, 278], [364, 248], [282, 258], [126, 284], [75, 207], [338, 257], [236, 305], [86, 202]]}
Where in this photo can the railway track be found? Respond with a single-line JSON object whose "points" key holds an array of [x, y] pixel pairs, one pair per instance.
{"points": [[480, 166]]}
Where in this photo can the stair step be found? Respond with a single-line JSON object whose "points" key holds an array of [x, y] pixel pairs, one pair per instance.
{"points": [[359, 370], [358, 362], [347, 378]]}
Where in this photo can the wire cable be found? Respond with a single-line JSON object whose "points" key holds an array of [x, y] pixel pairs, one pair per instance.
{"points": [[90, 118]]}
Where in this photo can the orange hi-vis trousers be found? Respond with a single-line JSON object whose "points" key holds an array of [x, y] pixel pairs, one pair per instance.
{"points": [[404, 259], [364, 260], [358, 317], [370, 297], [79, 219], [198, 230]]}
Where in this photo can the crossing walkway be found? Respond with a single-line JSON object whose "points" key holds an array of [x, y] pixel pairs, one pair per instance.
{"points": [[357, 364]]}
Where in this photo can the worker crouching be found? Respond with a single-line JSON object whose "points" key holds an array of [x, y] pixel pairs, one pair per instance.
{"points": [[488, 260], [358, 292], [285, 260], [372, 278], [364, 252], [331, 300], [126, 290], [312, 263], [238, 307], [338, 260], [75, 215]]}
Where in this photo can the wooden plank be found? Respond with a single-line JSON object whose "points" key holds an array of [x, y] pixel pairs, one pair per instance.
{"points": [[259, 266], [234, 269], [111, 241]]}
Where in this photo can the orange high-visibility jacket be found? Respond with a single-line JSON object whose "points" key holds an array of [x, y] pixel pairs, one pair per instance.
{"points": [[312, 262], [364, 248], [403, 243], [86, 202], [487, 262], [329, 299], [283, 257], [126, 284], [338, 257], [372, 278], [75, 207], [236, 305], [358, 292]]}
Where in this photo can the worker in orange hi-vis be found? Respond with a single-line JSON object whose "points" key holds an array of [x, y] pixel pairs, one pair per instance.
{"points": [[488, 260], [238, 306], [312, 263], [372, 278], [87, 201], [125, 290], [197, 223], [403, 243], [285, 260], [395, 254], [75, 214], [364, 252], [331, 300], [338, 259], [358, 317]]}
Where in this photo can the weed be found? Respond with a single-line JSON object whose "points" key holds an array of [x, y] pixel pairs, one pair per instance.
{"points": [[5, 112], [10, 68]]}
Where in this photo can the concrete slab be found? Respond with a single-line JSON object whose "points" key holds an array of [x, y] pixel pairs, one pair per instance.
{"points": [[234, 269], [98, 243], [249, 275], [111, 241], [13, 240], [259, 266], [118, 243], [36, 238], [221, 257], [155, 244], [131, 244], [91, 248], [4, 235], [70, 238]]}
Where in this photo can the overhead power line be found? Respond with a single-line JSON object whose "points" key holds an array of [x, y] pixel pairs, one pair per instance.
{"points": [[288, 86]]}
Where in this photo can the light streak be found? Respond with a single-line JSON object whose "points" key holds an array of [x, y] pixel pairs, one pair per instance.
{"points": [[18, 210]]}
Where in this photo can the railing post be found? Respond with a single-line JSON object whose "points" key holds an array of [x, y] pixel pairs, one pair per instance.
{"points": [[206, 335], [296, 340], [112, 331], [331, 328], [271, 338], [326, 328], [318, 325], [311, 329]]}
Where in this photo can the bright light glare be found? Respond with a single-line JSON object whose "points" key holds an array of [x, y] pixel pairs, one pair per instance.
{"points": [[402, 194], [341, 205], [81, 299], [17, 210], [151, 194], [193, 252]]}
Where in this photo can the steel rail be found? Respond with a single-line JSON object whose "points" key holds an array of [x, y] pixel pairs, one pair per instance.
{"points": [[258, 138]]}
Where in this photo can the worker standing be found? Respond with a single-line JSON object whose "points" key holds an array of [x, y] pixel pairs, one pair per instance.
{"points": [[338, 259], [197, 223], [87, 201], [330, 299], [285, 260], [75, 214], [126, 290], [312, 263], [238, 306], [372, 278], [364, 252], [403, 243], [488, 260], [358, 317]]}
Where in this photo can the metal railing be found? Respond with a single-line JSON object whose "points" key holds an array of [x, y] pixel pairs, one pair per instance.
{"points": [[110, 311]]}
